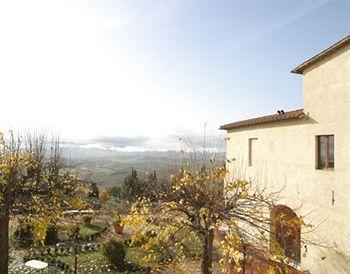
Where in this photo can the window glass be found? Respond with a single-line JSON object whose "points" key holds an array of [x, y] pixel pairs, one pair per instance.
{"points": [[331, 148], [322, 151], [325, 151]]}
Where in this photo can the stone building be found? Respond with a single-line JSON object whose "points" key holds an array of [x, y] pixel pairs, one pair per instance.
{"points": [[306, 152]]}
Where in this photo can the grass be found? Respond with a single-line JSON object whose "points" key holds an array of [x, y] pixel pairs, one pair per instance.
{"points": [[93, 262], [88, 230], [89, 262], [133, 254], [65, 228]]}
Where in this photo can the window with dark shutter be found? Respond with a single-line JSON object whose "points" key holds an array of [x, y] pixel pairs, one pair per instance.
{"points": [[325, 151]]}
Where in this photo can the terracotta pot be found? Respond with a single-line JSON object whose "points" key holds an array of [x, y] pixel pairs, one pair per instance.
{"points": [[118, 228]]}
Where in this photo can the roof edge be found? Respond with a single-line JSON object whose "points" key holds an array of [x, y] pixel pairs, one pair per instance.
{"points": [[313, 60], [289, 115]]}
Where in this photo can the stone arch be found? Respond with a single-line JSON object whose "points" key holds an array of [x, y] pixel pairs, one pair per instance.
{"points": [[285, 230]]}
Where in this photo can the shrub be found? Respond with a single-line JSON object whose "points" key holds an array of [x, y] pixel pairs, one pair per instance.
{"points": [[23, 235], [116, 192], [94, 192], [62, 250], [103, 195], [87, 219], [115, 252], [74, 232], [51, 236]]}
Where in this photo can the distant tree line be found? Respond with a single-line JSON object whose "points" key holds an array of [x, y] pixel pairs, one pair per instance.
{"points": [[134, 187]]}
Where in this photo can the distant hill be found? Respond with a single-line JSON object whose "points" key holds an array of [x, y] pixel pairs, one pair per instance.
{"points": [[110, 167]]}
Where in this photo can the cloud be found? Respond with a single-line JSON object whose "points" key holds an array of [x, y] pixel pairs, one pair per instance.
{"points": [[121, 141], [195, 141], [115, 148], [171, 142]]}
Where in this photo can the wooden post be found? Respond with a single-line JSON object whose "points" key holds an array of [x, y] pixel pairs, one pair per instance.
{"points": [[75, 258]]}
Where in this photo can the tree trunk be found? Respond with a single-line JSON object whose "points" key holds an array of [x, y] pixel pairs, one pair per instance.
{"points": [[4, 239], [244, 259], [207, 255]]}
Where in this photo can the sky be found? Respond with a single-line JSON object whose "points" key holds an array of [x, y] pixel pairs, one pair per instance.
{"points": [[138, 73]]}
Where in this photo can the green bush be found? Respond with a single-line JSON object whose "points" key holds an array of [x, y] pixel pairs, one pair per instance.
{"points": [[115, 252], [23, 235], [74, 232], [116, 192], [51, 235]]}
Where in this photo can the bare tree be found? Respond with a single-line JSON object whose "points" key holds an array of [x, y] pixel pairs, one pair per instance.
{"points": [[203, 199], [32, 182]]}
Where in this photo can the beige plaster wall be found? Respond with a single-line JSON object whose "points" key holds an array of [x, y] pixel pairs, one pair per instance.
{"points": [[285, 156]]}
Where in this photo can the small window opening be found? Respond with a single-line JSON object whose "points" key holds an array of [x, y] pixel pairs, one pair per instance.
{"points": [[325, 152], [252, 145]]}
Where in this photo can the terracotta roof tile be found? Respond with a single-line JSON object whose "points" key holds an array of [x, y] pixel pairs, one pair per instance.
{"points": [[289, 115]]}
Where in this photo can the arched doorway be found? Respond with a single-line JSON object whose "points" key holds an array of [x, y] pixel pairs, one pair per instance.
{"points": [[285, 231]]}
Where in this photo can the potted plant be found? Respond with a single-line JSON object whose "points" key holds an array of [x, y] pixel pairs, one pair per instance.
{"points": [[117, 223]]}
